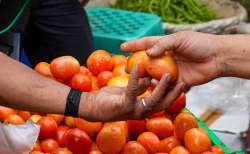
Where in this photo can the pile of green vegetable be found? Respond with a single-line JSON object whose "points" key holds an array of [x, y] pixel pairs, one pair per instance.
{"points": [[174, 11]]}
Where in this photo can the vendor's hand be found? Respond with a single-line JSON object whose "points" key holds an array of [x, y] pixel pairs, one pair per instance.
{"points": [[196, 54], [117, 103]]}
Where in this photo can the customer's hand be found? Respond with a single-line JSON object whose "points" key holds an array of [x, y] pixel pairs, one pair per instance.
{"points": [[116, 103], [196, 54]]}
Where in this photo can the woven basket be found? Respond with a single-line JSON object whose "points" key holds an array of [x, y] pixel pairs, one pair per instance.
{"points": [[229, 14]]}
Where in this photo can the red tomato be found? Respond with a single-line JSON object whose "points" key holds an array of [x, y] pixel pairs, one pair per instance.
{"points": [[99, 61], [24, 114], [37, 152], [157, 114], [85, 71], [95, 85], [5, 112], [14, 119], [62, 151], [64, 67], [61, 130], [104, 77], [57, 117], [136, 127], [48, 127], [217, 150], [118, 60], [77, 141], [43, 68], [178, 105], [92, 128], [49, 145], [81, 82]]}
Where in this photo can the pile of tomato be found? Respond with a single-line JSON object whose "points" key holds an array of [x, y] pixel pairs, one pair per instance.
{"points": [[173, 131]]}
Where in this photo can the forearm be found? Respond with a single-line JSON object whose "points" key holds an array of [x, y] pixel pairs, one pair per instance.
{"points": [[21, 87]]}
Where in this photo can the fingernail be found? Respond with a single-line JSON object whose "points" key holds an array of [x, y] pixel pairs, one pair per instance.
{"points": [[168, 77], [123, 45], [150, 51]]}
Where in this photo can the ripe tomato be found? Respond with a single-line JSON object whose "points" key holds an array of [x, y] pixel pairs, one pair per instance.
{"points": [[85, 71], [139, 59], [133, 147], [24, 114], [158, 114], [167, 144], [136, 127], [111, 139], [119, 81], [5, 112], [77, 141], [95, 152], [57, 117], [35, 118], [37, 152], [14, 119], [48, 127], [161, 126], [118, 60], [64, 67], [36, 146], [182, 123], [197, 141], [104, 77], [161, 153], [43, 68], [207, 152], [122, 124], [179, 150], [70, 122], [217, 150], [120, 70], [49, 145], [62, 151], [150, 141], [99, 61], [178, 105], [95, 149], [81, 82], [61, 130], [95, 85], [91, 128]]}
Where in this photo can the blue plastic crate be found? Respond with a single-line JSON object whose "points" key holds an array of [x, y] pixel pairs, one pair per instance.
{"points": [[111, 27]]}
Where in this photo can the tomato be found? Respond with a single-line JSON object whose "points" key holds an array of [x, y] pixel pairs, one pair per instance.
{"points": [[150, 141], [104, 77], [167, 144], [217, 150], [37, 152], [139, 59], [119, 81], [95, 85], [182, 123], [48, 127], [70, 121], [99, 61], [178, 105], [147, 92], [95, 152], [77, 141], [118, 60], [35, 118], [95, 149], [14, 119], [36, 147], [85, 71], [136, 127], [120, 70], [111, 139], [57, 117], [197, 141], [157, 114], [134, 147], [122, 124], [24, 114], [91, 128], [49, 145], [179, 150], [81, 82], [61, 130], [62, 151], [5, 112], [161, 126], [64, 67], [43, 68], [207, 152], [161, 153]]}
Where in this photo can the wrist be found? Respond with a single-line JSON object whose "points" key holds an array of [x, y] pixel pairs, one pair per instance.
{"points": [[85, 106]]}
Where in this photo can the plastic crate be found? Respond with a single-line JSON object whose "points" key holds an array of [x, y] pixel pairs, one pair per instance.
{"points": [[111, 27]]}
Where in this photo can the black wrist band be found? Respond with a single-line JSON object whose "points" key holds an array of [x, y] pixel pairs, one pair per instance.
{"points": [[72, 104]]}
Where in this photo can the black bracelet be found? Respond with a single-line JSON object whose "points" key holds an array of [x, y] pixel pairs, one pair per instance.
{"points": [[72, 104]]}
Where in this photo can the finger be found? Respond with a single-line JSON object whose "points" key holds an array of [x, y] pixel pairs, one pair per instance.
{"points": [[154, 82], [133, 84], [140, 44], [144, 83]]}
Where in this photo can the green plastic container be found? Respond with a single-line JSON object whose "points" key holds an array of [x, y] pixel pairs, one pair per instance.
{"points": [[111, 27]]}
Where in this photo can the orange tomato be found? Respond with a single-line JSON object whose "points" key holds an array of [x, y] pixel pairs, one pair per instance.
{"points": [[120, 71], [119, 81], [95, 152], [150, 141], [118, 60], [136, 127], [49, 145], [207, 152], [35, 118], [99, 61], [61, 130], [111, 139], [43, 68], [37, 152], [161, 126], [14, 119], [48, 127], [5, 112], [161, 153], [179, 150], [197, 141], [36, 147], [182, 123], [24, 114], [70, 121], [94, 146], [139, 59], [64, 67], [81, 82], [217, 150], [95, 85], [95, 149], [104, 77], [85, 71], [122, 124], [57, 117], [61, 151], [167, 144], [91, 128], [133, 147], [147, 92]]}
